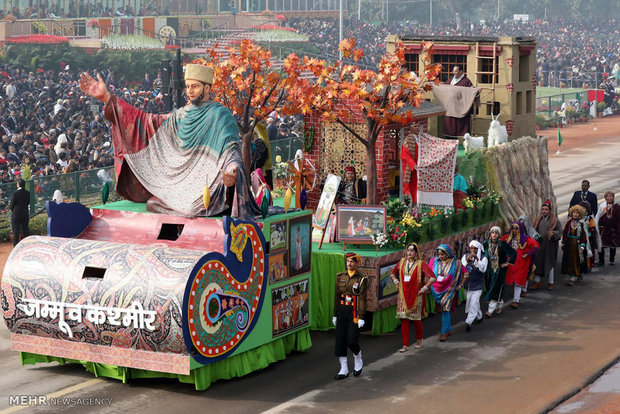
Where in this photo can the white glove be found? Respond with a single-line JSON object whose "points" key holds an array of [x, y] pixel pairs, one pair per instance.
{"points": [[334, 320], [360, 323], [395, 281]]}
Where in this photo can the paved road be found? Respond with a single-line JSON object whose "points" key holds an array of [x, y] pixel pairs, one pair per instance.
{"points": [[524, 361]]}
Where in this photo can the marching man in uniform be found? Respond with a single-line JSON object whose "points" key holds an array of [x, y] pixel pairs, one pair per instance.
{"points": [[349, 310]]}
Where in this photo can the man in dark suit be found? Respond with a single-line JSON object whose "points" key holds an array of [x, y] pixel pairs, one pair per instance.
{"points": [[19, 212], [585, 195]]}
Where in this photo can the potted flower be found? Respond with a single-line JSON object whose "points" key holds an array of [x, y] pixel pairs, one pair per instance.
{"points": [[468, 218], [280, 172], [541, 122], [435, 218], [600, 107], [571, 114]]}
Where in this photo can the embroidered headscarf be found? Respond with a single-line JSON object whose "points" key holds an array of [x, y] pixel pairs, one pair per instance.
{"points": [[522, 234], [416, 248], [497, 229], [446, 249]]}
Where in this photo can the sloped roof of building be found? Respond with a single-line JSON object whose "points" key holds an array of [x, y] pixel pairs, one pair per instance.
{"points": [[426, 109], [467, 39]]}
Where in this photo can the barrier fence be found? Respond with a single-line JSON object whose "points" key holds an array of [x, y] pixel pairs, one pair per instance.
{"points": [[570, 79], [82, 186], [550, 104]]}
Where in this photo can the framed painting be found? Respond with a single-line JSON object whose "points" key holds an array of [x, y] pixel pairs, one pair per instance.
{"points": [[290, 307], [356, 224], [277, 235], [387, 287], [278, 266], [300, 245]]}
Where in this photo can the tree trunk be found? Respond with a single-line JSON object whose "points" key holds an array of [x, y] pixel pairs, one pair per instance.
{"points": [[246, 148], [371, 169]]}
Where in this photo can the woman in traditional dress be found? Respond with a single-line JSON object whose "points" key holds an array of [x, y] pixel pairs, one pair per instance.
{"points": [[589, 225], [574, 244], [500, 255], [351, 227], [413, 278], [518, 272], [608, 222], [450, 274], [298, 262]]}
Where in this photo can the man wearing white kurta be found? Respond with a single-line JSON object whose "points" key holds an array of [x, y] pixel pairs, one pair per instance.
{"points": [[476, 263]]}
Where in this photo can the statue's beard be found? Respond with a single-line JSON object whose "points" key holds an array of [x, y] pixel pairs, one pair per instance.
{"points": [[197, 100]]}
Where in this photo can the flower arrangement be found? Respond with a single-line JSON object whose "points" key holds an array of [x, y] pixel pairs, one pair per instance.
{"points": [[380, 239], [131, 42], [402, 225], [278, 192], [37, 39], [493, 197], [39, 27], [280, 169], [280, 35], [434, 213]]}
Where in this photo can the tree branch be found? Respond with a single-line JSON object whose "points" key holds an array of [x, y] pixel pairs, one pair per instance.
{"points": [[355, 134], [248, 104]]}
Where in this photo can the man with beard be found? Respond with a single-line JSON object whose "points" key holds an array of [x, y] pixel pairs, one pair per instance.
{"points": [[550, 230]]}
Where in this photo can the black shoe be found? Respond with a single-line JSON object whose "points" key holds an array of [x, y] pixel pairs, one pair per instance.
{"points": [[478, 321], [467, 327], [357, 373], [341, 376], [611, 263]]}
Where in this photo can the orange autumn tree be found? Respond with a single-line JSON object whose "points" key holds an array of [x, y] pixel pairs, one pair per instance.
{"points": [[246, 83], [383, 96]]}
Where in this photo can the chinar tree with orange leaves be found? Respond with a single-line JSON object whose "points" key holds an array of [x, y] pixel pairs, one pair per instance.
{"points": [[383, 96], [246, 83]]}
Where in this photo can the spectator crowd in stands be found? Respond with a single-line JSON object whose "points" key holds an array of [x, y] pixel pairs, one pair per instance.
{"points": [[84, 9], [571, 52], [47, 124]]}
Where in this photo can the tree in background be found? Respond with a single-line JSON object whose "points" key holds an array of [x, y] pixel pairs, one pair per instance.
{"points": [[383, 96], [246, 83]]}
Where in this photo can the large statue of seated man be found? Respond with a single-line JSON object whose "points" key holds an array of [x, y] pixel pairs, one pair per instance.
{"points": [[168, 160]]}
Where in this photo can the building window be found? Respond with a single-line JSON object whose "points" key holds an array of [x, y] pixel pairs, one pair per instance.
{"points": [[524, 68], [448, 62], [79, 28], [486, 65], [225, 5], [412, 62], [519, 103], [528, 102], [493, 108]]}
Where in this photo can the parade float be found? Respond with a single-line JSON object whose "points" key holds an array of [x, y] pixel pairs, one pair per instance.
{"points": [[132, 294]]}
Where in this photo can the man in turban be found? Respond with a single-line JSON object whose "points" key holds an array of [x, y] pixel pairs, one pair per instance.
{"points": [[168, 160], [349, 313]]}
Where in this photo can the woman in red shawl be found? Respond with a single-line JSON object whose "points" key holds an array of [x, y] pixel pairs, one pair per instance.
{"points": [[413, 278], [519, 271]]}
